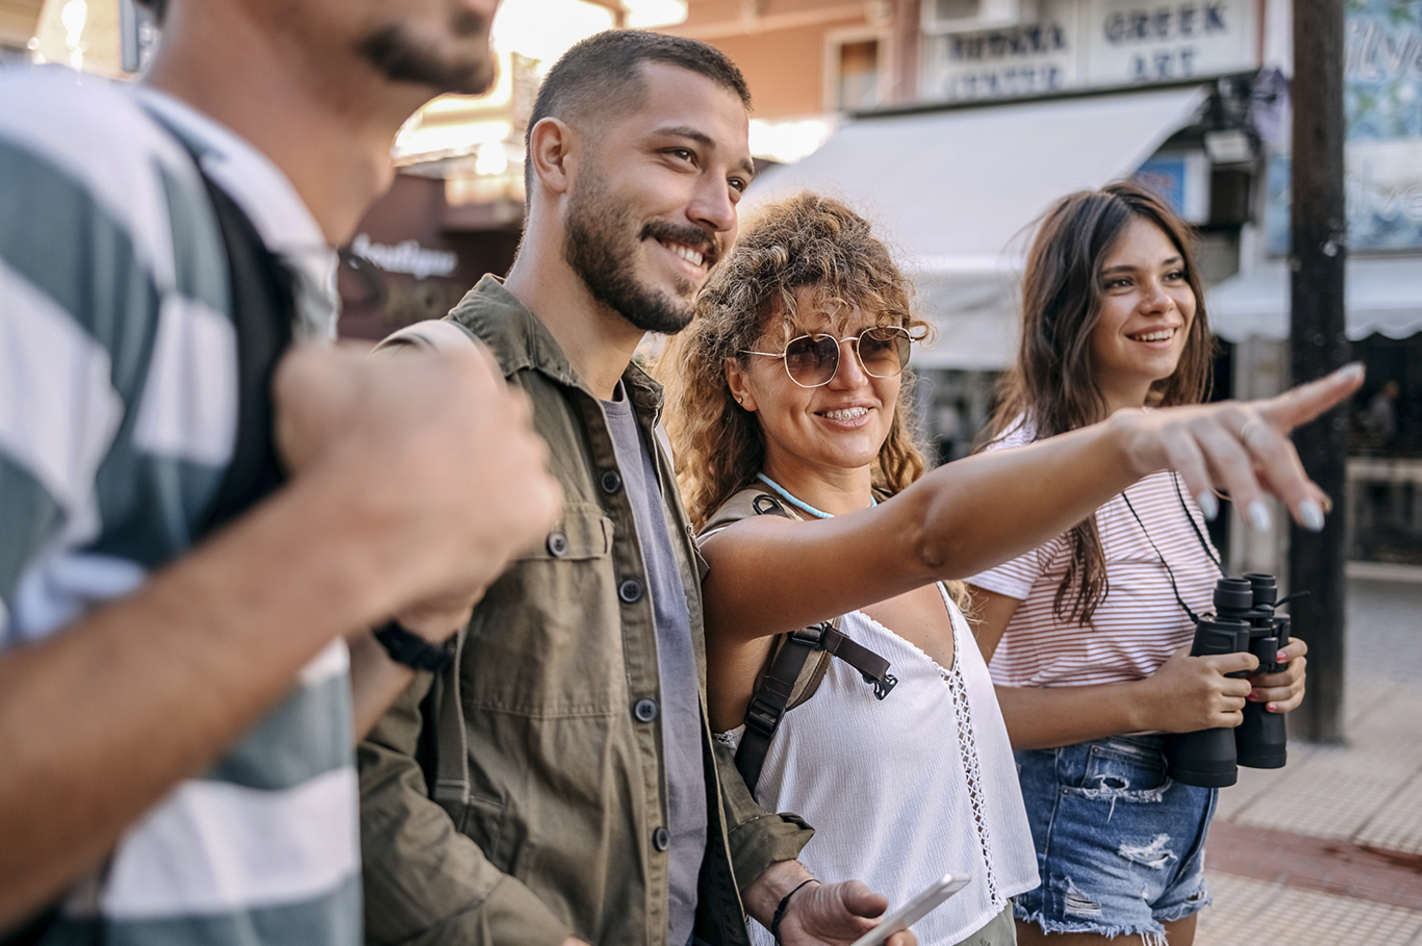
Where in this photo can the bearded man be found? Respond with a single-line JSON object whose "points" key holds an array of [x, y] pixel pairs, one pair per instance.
{"points": [[580, 797]]}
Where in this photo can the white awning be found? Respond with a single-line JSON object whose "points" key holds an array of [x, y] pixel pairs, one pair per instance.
{"points": [[1380, 295], [975, 319], [954, 193]]}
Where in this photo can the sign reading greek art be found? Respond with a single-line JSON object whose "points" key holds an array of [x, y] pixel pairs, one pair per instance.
{"points": [[1138, 41], [1078, 44]]}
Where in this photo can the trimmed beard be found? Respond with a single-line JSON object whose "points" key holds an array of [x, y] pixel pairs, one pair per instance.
{"points": [[401, 57], [600, 248]]}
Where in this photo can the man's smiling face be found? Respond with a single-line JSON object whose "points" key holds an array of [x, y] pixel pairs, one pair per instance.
{"points": [[653, 204]]}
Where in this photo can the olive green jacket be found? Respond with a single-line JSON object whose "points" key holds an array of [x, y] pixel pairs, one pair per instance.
{"points": [[552, 831]]}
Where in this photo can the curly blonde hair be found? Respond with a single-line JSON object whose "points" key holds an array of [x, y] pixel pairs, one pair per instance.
{"points": [[803, 241]]}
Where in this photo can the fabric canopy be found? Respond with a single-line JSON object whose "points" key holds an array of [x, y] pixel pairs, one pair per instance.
{"points": [[1380, 296], [954, 193]]}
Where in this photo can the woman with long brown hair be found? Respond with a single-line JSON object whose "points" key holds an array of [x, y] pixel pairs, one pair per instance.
{"points": [[1086, 639], [788, 408]]}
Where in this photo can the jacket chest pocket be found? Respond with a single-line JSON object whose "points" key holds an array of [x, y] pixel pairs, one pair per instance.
{"points": [[582, 534], [546, 640]]}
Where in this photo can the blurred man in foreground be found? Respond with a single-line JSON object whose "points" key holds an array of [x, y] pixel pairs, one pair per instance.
{"points": [[175, 713]]}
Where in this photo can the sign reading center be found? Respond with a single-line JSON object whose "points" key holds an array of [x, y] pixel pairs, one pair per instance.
{"points": [[1075, 44]]}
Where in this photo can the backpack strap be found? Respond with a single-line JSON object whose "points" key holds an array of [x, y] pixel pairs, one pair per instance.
{"points": [[784, 685], [774, 692], [263, 304], [450, 788], [797, 661], [448, 774]]}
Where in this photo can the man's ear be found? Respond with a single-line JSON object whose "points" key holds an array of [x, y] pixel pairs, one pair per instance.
{"points": [[550, 146], [736, 381]]}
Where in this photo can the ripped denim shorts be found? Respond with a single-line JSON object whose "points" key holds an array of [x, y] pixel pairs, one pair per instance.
{"points": [[1120, 846]]}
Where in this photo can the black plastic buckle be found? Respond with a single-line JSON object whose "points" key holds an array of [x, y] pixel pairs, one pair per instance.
{"points": [[882, 687], [762, 716], [811, 635]]}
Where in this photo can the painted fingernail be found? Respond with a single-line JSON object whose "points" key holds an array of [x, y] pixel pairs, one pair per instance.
{"points": [[1209, 505], [1351, 370], [1272, 707], [1259, 516], [1311, 515]]}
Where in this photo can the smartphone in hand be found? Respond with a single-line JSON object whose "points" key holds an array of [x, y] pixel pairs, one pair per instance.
{"points": [[915, 910]]}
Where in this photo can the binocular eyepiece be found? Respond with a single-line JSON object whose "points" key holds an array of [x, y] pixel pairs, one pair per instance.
{"points": [[1243, 620]]}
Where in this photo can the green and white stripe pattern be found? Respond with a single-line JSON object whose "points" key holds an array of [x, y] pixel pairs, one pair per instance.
{"points": [[118, 381]]}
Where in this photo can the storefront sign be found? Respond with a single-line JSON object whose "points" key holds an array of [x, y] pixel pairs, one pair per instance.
{"points": [[407, 256], [1136, 41], [1092, 44], [1003, 63], [1182, 179]]}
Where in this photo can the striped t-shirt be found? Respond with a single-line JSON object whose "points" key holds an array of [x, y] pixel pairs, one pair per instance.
{"points": [[118, 412], [1138, 624]]}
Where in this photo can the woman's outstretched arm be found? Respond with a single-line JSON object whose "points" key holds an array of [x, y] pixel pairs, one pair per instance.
{"points": [[769, 575]]}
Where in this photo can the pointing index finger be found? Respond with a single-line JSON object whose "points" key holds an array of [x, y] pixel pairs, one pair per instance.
{"points": [[1307, 401]]}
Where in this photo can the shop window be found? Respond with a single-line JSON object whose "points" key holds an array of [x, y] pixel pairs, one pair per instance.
{"points": [[857, 66], [1230, 196]]}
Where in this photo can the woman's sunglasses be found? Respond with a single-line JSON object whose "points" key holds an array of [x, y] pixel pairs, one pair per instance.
{"points": [[812, 361]]}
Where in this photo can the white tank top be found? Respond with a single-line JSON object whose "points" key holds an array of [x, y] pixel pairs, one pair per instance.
{"points": [[904, 790]]}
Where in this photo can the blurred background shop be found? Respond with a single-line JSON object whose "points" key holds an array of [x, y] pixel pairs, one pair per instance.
{"points": [[953, 124]]}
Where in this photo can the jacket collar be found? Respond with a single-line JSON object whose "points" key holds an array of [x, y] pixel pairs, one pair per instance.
{"points": [[521, 342]]}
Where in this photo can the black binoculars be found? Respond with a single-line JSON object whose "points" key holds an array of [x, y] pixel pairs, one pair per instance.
{"points": [[1244, 620]]}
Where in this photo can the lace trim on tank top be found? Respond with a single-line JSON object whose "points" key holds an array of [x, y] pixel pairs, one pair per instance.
{"points": [[967, 744], [968, 747]]}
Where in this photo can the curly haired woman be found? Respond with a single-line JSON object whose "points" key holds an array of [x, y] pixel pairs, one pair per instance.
{"points": [[789, 391]]}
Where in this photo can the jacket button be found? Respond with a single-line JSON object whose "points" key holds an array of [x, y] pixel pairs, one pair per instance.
{"points": [[557, 543], [630, 591], [645, 710], [661, 839], [611, 481]]}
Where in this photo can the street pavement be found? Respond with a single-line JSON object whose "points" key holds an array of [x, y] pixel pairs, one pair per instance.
{"points": [[1328, 849]]}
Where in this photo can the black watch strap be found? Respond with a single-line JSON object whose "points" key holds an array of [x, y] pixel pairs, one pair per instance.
{"points": [[412, 650]]}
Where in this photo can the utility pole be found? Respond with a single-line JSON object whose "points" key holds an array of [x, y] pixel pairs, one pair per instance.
{"points": [[1318, 344]]}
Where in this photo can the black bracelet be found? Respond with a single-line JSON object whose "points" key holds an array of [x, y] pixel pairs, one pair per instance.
{"points": [[784, 903], [412, 650]]}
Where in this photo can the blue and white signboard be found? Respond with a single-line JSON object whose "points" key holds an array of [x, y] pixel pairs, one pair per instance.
{"points": [[1182, 179], [1382, 99]]}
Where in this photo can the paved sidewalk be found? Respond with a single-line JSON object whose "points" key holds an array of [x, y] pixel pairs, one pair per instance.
{"points": [[1328, 850]]}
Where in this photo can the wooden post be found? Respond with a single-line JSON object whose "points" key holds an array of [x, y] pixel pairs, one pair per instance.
{"points": [[1319, 344]]}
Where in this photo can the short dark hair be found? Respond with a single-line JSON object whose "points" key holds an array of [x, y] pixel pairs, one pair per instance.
{"points": [[602, 70]]}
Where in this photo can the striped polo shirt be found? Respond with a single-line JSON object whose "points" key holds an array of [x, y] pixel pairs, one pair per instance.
{"points": [[118, 415], [1139, 624]]}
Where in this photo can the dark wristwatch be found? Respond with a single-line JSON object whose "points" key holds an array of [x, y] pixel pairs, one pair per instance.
{"points": [[412, 650]]}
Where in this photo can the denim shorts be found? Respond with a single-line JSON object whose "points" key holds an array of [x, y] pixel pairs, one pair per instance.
{"points": [[1120, 846]]}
